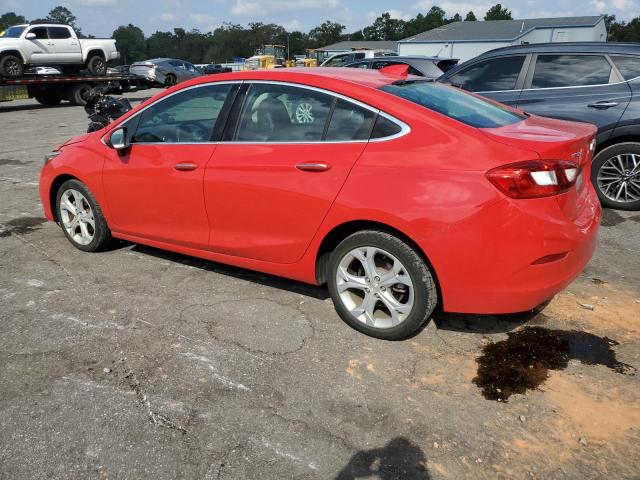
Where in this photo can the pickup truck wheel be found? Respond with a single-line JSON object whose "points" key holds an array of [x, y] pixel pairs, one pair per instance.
{"points": [[615, 173], [48, 99], [97, 65], [79, 94], [11, 66]]}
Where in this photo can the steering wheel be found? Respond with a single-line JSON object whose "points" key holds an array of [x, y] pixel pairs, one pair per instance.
{"points": [[191, 131]]}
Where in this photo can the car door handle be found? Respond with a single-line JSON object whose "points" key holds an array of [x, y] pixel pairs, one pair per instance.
{"points": [[603, 105], [312, 167], [185, 167]]}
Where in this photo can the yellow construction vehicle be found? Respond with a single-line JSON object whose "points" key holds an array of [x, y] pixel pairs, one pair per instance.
{"points": [[310, 60], [268, 56]]}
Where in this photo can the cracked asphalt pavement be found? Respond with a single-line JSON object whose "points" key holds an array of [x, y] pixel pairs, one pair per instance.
{"points": [[136, 363]]}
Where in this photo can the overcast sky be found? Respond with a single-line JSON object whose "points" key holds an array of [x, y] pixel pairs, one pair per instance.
{"points": [[101, 17]]}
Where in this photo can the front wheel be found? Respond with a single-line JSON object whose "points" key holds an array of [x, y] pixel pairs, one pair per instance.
{"points": [[615, 174], [11, 66], [380, 285], [80, 217], [170, 80]]}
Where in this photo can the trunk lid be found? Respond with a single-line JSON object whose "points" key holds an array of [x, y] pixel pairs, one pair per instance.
{"points": [[555, 139]]}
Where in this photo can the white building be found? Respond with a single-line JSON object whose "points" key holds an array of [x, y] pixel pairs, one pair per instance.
{"points": [[465, 40]]}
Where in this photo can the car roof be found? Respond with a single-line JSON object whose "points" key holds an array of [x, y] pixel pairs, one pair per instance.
{"points": [[367, 78], [567, 47]]}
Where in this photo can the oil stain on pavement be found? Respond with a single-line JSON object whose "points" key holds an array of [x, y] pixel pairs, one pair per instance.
{"points": [[21, 226], [522, 361]]}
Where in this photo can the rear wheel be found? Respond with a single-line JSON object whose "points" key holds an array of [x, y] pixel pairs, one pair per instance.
{"points": [[170, 80], [80, 217], [79, 94], [96, 65], [48, 99], [11, 66], [380, 285], [615, 173]]}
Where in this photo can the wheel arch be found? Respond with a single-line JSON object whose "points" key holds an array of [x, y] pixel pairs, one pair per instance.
{"points": [[629, 138], [17, 53], [53, 192], [96, 52], [336, 235]]}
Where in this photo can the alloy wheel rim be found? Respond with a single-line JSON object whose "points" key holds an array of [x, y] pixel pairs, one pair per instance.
{"points": [[77, 217], [619, 178], [99, 66], [375, 287], [13, 68]]}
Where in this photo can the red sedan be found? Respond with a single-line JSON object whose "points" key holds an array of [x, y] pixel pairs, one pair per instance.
{"points": [[399, 193]]}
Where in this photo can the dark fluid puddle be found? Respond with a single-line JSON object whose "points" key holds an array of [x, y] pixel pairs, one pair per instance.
{"points": [[8, 161], [522, 361], [22, 225]]}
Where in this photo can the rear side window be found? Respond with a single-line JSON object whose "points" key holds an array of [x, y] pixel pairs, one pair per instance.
{"points": [[384, 128], [358, 65], [490, 75], [59, 32], [570, 71], [282, 113], [629, 66], [455, 103], [338, 61], [349, 122]]}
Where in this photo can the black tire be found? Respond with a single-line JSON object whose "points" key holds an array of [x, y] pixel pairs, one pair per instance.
{"points": [[101, 234], [49, 99], [170, 80], [600, 160], [96, 65], [425, 289], [11, 66], [79, 94]]}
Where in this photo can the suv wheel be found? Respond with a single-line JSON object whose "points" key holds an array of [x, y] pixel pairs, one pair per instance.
{"points": [[615, 173], [380, 285]]}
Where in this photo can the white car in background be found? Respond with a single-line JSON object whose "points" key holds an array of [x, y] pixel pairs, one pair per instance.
{"points": [[52, 44], [341, 59]]}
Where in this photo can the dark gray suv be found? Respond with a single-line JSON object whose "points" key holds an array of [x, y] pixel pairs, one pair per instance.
{"points": [[590, 82]]}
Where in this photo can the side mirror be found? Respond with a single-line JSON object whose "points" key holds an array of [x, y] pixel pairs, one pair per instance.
{"points": [[118, 139], [30, 36]]}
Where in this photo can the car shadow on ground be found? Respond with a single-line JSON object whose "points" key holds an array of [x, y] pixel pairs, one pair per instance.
{"points": [[398, 459], [32, 106], [470, 323]]}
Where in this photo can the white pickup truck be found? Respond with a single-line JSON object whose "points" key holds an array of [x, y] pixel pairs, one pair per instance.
{"points": [[52, 44]]}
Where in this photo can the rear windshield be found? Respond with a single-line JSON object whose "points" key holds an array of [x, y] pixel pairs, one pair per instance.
{"points": [[455, 103], [12, 32]]}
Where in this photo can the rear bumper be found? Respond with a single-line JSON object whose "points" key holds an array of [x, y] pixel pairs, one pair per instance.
{"points": [[513, 256]]}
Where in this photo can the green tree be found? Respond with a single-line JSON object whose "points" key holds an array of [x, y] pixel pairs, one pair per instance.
{"points": [[471, 17], [130, 42], [326, 34], [498, 12], [10, 18], [384, 28], [64, 16], [356, 36], [456, 18], [434, 18]]}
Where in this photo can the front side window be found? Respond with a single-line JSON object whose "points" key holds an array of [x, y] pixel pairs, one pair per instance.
{"points": [[40, 32], [490, 75], [59, 33], [337, 61], [629, 66], [185, 117], [455, 103], [570, 71], [282, 113], [349, 122], [359, 65]]}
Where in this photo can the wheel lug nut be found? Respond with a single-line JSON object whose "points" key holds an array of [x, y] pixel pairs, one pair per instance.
{"points": [[367, 280], [383, 289], [367, 289], [377, 279]]}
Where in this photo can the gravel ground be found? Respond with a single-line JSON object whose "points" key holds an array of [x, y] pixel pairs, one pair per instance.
{"points": [[137, 363]]}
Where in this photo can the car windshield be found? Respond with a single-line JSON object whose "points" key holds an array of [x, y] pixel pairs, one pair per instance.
{"points": [[12, 32], [454, 103]]}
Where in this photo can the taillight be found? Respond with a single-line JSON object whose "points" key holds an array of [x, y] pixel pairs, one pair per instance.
{"points": [[534, 178]]}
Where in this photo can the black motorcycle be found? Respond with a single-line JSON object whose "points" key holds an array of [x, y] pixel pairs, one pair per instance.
{"points": [[104, 109]]}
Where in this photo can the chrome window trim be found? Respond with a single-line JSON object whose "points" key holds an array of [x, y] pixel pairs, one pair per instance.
{"points": [[404, 128]]}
